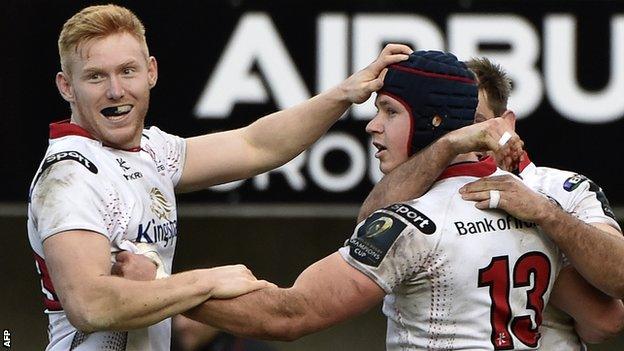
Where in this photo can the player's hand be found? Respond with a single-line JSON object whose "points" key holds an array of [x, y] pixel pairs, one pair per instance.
{"points": [[232, 281], [515, 198], [487, 136], [359, 86], [133, 266]]}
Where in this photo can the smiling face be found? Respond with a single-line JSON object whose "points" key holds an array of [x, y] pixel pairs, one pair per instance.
{"points": [[390, 130], [107, 84]]}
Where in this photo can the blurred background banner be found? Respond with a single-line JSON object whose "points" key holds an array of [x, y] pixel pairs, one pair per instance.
{"points": [[223, 64]]}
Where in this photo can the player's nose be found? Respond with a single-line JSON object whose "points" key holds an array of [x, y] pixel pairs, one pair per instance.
{"points": [[375, 125], [115, 89]]}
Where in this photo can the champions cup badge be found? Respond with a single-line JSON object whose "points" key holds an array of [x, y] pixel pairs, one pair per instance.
{"points": [[378, 227], [160, 206]]}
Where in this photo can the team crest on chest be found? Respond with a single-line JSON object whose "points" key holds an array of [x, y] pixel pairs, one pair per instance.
{"points": [[160, 206]]}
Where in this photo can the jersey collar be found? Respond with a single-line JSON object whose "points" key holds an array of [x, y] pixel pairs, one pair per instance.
{"points": [[526, 161], [66, 128], [482, 168]]}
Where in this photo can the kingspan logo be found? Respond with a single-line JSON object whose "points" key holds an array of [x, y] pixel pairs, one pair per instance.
{"points": [[153, 231]]}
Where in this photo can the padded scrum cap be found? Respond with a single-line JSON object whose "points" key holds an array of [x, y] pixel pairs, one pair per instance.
{"points": [[430, 84]]}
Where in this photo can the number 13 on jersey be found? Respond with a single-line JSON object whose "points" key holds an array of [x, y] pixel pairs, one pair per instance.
{"points": [[497, 277]]}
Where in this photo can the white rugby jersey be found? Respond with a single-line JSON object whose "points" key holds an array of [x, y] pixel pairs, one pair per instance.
{"points": [[125, 195], [456, 277], [585, 200]]}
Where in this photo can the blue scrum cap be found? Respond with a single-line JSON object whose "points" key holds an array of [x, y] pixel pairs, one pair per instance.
{"points": [[438, 91]]}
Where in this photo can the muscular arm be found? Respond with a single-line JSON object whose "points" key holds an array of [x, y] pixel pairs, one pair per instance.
{"points": [[79, 266], [277, 138], [595, 250], [326, 293], [412, 178], [265, 144], [598, 317]]}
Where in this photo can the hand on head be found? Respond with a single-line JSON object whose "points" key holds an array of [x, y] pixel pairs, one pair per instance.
{"points": [[359, 87]]}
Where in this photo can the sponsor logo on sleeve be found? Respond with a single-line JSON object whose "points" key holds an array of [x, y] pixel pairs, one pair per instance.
{"points": [[374, 238], [63, 156], [573, 182], [415, 217], [69, 155]]}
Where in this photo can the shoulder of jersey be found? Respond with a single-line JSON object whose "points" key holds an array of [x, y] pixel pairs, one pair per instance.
{"points": [[412, 216], [564, 180], [375, 236], [77, 155], [153, 134]]}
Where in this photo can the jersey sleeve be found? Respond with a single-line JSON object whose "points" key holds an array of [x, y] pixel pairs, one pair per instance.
{"points": [[69, 195], [390, 246], [589, 203], [169, 151]]}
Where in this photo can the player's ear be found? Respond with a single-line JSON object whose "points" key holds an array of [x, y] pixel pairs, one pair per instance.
{"points": [[510, 117], [152, 71], [63, 84]]}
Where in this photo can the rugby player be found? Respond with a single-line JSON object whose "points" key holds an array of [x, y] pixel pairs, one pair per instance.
{"points": [[106, 184], [582, 224], [596, 244], [452, 276]]}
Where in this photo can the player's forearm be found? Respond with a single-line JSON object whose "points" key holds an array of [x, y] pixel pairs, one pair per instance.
{"points": [[281, 136], [608, 324], [273, 314], [411, 179], [113, 303], [326, 293], [606, 330], [597, 317], [597, 255]]}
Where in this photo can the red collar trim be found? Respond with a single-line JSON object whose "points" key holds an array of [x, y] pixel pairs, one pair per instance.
{"points": [[432, 74], [65, 128], [479, 169], [525, 162]]}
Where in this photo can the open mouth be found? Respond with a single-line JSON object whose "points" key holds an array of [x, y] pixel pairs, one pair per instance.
{"points": [[116, 111], [379, 146]]}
